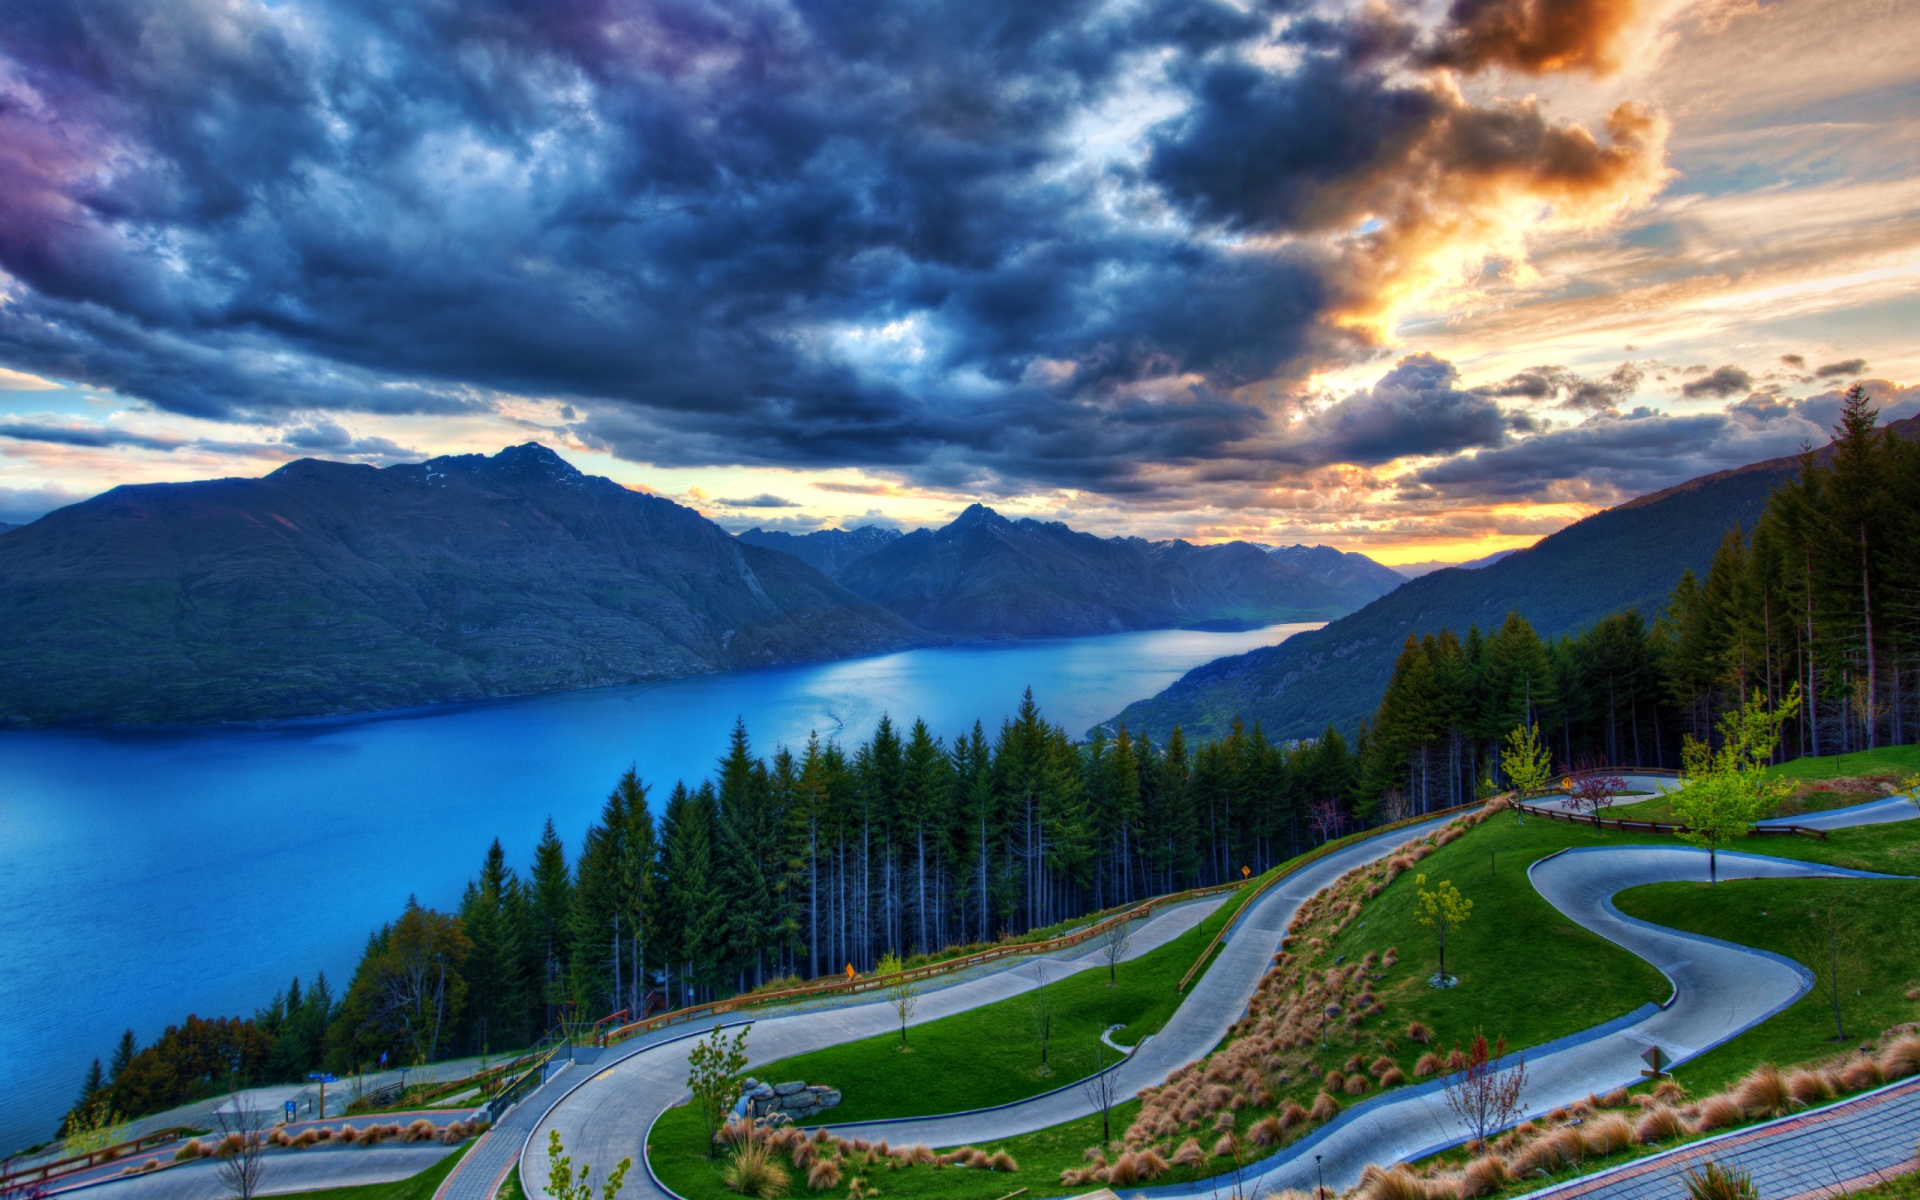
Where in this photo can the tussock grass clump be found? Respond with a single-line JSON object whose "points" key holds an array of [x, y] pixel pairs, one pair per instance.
{"points": [[1658, 1124], [1483, 1175], [752, 1170], [1718, 1112], [824, 1173], [1764, 1093], [1607, 1133]]}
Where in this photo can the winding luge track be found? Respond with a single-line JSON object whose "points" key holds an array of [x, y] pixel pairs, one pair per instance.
{"points": [[1720, 990], [608, 1118]]}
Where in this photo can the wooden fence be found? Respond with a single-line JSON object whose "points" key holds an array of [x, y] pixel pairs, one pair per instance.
{"points": [[864, 983], [1626, 826]]}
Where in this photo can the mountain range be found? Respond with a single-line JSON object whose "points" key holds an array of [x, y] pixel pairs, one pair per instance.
{"points": [[825, 550], [333, 588], [1629, 556], [985, 575], [1415, 570]]}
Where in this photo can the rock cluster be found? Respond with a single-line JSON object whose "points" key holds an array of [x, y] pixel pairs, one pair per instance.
{"points": [[795, 1100]]}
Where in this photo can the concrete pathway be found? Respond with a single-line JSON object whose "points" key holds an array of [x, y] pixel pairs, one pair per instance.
{"points": [[608, 1119], [1720, 990], [1884, 811], [295, 1171], [1831, 1151], [287, 1165]]}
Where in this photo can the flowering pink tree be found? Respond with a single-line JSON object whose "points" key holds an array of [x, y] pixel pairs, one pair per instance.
{"points": [[1485, 1093], [1594, 787], [1324, 819]]}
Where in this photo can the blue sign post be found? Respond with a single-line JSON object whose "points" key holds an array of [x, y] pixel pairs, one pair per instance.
{"points": [[292, 1108], [324, 1079]]}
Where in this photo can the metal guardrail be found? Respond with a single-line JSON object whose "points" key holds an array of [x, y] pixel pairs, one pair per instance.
{"points": [[863, 983], [523, 1084]]}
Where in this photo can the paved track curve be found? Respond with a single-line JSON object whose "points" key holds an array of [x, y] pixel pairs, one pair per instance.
{"points": [[1719, 991], [607, 1119]]}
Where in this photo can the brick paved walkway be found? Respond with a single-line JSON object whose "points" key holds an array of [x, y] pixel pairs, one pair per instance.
{"points": [[1825, 1153]]}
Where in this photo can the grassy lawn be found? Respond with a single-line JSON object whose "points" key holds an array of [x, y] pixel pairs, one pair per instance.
{"points": [[414, 1187], [1526, 973], [1880, 917], [1902, 1187], [991, 1055]]}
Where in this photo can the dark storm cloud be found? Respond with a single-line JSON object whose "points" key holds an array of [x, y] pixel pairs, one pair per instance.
{"points": [[1613, 456], [1852, 366], [1416, 408], [90, 436], [1719, 383], [1568, 388], [690, 221]]}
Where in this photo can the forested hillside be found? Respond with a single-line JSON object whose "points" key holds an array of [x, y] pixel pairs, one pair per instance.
{"points": [[332, 588], [1628, 557]]}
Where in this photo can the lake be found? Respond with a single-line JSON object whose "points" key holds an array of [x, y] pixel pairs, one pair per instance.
{"points": [[148, 874]]}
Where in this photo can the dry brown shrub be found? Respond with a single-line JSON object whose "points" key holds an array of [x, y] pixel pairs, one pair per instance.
{"points": [[1123, 1171], [1325, 1107], [1862, 1074], [1420, 1033], [1226, 1146], [1382, 1065], [824, 1174], [1658, 1124], [1901, 1058], [1393, 1077], [1484, 1175], [1718, 1112], [1668, 1091], [1617, 1098], [192, 1149], [1294, 1113], [1763, 1093], [420, 1131], [1267, 1132], [1562, 1147], [1002, 1161], [1428, 1064], [1358, 1085], [1149, 1164], [1607, 1133], [1398, 1183], [1334, 1081], [1809, 1087], [1223, 1121], [1456, 1059], [1189, 1154]]}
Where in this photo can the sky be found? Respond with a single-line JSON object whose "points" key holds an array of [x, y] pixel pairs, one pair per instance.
{"points": [[1425, 281]]}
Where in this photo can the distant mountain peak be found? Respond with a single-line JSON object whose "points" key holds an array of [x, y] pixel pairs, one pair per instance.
{"points": [[976, 516]]}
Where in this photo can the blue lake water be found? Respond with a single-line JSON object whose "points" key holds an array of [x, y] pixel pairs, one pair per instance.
{"points": [[146, 875]]}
